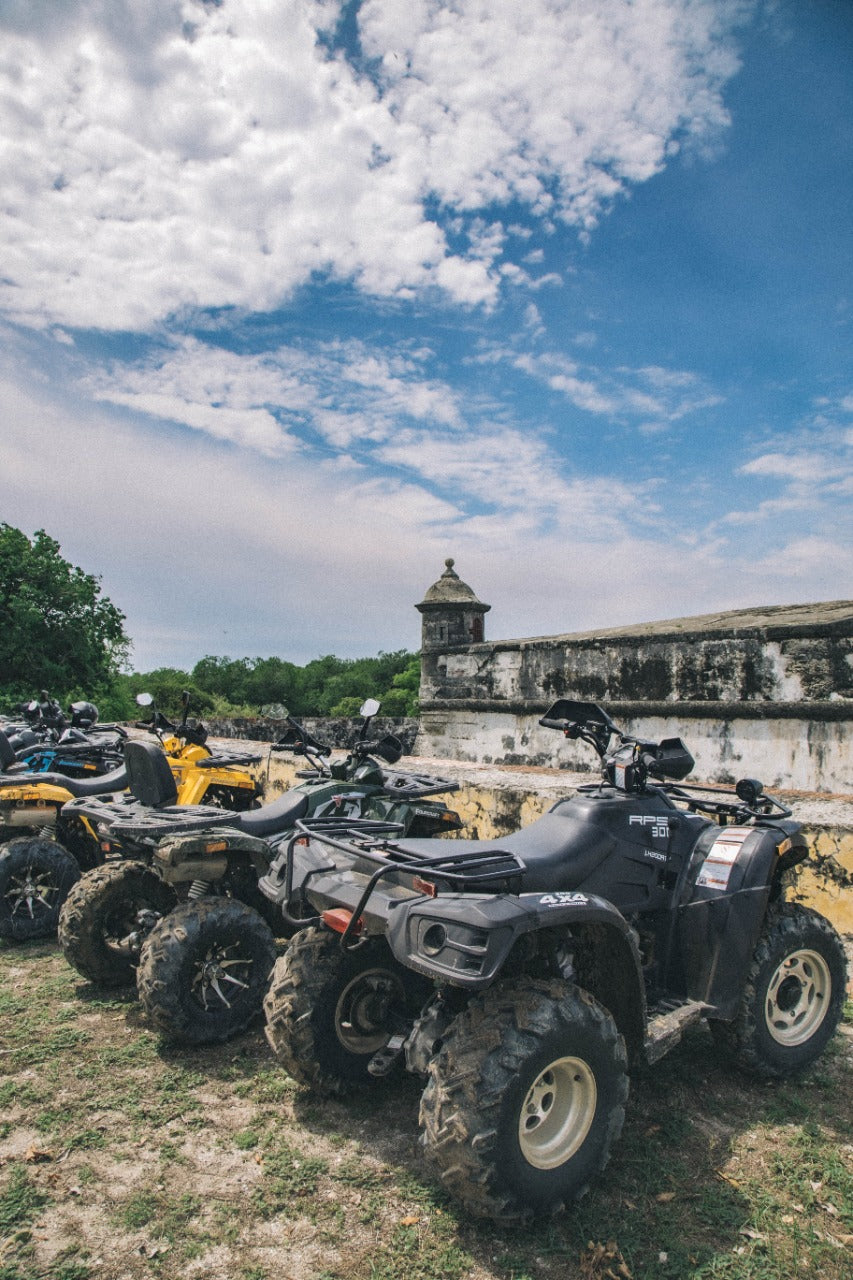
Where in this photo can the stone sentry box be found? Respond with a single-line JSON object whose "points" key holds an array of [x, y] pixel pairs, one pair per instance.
{"points": [[765, 692]]}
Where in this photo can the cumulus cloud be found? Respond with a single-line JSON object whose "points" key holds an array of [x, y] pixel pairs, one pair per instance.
{"points": [[163, 155]]}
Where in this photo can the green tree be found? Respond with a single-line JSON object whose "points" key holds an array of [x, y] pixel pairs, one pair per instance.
{"points": [[57, 631]]}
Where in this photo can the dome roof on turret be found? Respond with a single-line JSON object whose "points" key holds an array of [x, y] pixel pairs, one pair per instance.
{"points": [[450, 590]]}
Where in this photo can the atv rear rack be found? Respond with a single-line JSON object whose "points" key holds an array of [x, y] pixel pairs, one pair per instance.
{"points": [[154, 824], [372, 841]]}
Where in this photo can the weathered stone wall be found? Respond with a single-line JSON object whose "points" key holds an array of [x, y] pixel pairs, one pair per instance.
{"points": [[764, 692], [336, 732]]}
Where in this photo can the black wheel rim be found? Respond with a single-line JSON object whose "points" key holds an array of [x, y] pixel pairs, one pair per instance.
{"points": [[33, 894], [221, 977]]}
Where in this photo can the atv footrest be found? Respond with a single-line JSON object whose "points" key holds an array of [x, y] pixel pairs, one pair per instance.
{"points": [[383, 1061], [666, 1028]]}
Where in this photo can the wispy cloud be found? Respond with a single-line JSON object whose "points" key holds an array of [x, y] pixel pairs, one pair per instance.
{"points": [[813, 473], [653, 397], [376, 408]]}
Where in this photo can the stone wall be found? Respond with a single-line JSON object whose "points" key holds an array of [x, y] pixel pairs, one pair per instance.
{"points": [[768, 693], [329, 729]]}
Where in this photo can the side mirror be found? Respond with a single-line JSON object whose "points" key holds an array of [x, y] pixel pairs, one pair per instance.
{"points": [[369, 708], [144, 699]]}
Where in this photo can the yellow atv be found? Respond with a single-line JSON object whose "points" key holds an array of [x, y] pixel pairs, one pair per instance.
{"points": [[38, 869]]}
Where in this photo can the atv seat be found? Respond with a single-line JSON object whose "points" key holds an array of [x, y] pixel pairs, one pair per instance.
{"points": [[106, 783], [558, 852], [274, 818]]}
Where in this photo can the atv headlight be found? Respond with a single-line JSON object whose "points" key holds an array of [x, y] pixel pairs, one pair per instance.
{"points": [[433, 939], [451, 944]]}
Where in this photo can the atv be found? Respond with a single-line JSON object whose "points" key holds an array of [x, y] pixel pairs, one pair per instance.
{"points": [[57, 814], [181, 912], [522, 976]]}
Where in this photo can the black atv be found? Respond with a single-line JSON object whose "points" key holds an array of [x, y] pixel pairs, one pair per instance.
{"points": [[177, 907], [522, 976]]}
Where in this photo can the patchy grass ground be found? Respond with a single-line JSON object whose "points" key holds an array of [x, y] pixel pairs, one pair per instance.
{"points": [[122, 1159]]}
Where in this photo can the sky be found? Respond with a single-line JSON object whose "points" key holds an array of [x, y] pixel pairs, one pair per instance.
{"points": [[300, 297]]}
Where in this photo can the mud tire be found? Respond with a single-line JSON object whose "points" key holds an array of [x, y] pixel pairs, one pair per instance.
{"points": [[793, 998], [327, 1009], [525, 1099], [99, 932], [196, 952], [36, 875]]}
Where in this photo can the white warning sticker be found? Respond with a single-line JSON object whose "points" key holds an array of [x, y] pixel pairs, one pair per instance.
{"points": [[723, 854]]}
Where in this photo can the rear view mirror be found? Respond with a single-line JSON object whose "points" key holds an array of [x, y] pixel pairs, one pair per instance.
{"points": [[369, 707], [144, 699]]}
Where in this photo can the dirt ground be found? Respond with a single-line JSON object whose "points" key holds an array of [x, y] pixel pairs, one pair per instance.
{"points": [[122, 1158]]}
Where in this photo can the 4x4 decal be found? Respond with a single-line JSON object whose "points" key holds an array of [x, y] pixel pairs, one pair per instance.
{"points": [[563, 900]]}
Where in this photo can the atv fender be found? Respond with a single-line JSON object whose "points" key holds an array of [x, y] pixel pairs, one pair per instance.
{"points": [[201, 855], [733, 872], [465, 940]]}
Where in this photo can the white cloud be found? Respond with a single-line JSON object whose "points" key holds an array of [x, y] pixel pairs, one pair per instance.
{"points": [[165, 155], [213, 550], [376, 406], [813, 476], [803, 468], [558, 106], [673, 393], [347, 391]]}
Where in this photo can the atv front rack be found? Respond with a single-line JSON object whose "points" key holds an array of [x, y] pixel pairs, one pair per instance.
{"points": [[228, 760], [727, 804], [409, 786]]}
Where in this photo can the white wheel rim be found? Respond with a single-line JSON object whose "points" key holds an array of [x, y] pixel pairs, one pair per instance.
{"points": [[798, 998], [557, 1113]]}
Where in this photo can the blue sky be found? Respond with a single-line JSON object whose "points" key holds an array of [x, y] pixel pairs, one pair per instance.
{"points": [[299, 298]]}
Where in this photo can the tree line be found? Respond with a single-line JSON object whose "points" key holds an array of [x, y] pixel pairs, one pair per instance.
{"points": [[60, 633]]}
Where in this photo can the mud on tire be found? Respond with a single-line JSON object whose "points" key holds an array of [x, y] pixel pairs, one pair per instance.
{"points": [[794, 995], [204, 969], [36, 875], [525, 1098], [105, 918], [329, 1011]]}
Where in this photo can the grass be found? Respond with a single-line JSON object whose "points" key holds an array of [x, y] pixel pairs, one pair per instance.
{"points": [[122, 1156]]}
